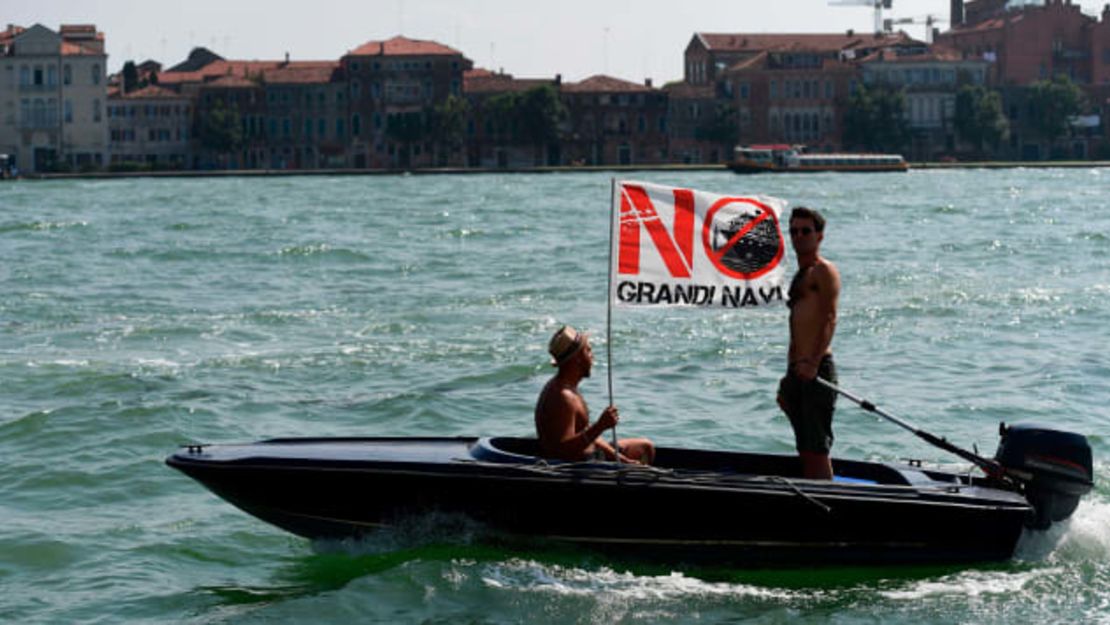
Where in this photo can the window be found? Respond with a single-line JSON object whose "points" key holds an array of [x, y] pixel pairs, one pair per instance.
{"points": [[339, 129], [95, 74], [69, 111], [745, 90], [51, 76], [356, 124], [38, 76], [322, 127], [24, 75], [96, 110]]}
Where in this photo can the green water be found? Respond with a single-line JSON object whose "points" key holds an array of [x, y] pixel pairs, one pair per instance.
{"points": [[139, 315]]}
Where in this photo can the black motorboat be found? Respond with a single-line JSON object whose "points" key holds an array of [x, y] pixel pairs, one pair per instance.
{"points": [[693, 505]]}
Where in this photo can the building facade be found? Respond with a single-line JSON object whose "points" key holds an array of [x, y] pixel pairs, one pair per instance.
{"points": [[395, 88], [929, 77], [1027, 43], [614, 122], [53, 92], [150, 128]]}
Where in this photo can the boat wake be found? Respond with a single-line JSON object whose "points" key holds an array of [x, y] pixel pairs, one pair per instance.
{"points": [[411, 532]]}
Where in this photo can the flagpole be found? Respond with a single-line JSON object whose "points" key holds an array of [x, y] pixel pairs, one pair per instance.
{"points": [[609, 308]]}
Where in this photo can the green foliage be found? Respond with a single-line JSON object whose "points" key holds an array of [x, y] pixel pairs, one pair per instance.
{"points": [[724, 128], [407, 127], [540, 112], [979, 117], [1052, 104], [529, 117], [448, 127], [220, 128], [875, 120], [130, 77]]}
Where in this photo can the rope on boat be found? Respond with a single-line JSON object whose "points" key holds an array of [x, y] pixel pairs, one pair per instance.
{"points": [[800, 492]]}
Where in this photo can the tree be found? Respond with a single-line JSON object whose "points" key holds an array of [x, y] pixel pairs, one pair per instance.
{"points": [[539, 111], [406, 128], [130, 77], [876, 120], [979, 117], [531, 117], [1052, 104], [220, 129], [448, 127], [724, 128]]}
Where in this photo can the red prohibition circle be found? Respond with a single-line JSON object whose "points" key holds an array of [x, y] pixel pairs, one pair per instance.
{"points": [[715, 256]]}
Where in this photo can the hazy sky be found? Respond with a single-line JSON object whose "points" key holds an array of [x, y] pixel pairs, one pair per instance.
{"points": [[630, 39]]}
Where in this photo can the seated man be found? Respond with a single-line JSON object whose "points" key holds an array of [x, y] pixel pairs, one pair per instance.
{"points": [[562, 418]]}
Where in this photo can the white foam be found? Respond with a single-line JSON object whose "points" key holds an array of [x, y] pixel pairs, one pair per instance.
{"points": [[530, 576], [970, 584], [1087, 533]]}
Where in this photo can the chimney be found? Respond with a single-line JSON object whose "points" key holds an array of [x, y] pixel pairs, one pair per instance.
{"points": [[957, 17], [287, 58], [851, 33], [647, 83], [558, 79]]}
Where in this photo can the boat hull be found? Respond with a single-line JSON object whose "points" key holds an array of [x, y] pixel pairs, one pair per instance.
{"points": [[339, 489], [753, 168]]}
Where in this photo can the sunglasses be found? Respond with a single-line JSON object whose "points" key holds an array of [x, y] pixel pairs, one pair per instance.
{"points": [[805, 230]]}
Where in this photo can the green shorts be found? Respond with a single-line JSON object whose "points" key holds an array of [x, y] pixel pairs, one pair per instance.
{"points": [[810, 405]]}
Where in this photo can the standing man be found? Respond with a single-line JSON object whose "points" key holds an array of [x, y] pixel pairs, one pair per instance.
{"points": [[813, 296], [562, 418]]}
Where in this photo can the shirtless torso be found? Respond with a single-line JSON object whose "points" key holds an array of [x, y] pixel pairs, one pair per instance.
{"points": [[813, 298]]}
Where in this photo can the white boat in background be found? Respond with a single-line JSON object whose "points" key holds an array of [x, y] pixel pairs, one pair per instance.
{"points": [[781, 158]]}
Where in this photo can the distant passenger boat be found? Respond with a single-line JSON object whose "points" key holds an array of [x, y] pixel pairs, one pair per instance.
{"points": [[787, 158]]}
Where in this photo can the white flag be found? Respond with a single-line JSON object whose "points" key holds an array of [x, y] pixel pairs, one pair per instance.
{"points": [[682, 247]]}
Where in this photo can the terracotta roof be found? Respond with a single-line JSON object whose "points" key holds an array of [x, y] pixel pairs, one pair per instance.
{"points": [[812, 42], [10, 33], [936, 53], [682, 90], [403, 46], [151, 92], [271, 71], [484, 81], [216, 69], [70, 48], [758, 60], [231, 81], [302, 72], [994, 23], [605, 84]]}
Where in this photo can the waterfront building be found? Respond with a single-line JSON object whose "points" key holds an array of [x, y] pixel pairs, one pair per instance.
{"points": [[395, 89], [615, 122], [149, 128], [703, 127], [53, 91], [1026, 43], [492, 137], [929, 77], [1029, 43], [784, 88]]}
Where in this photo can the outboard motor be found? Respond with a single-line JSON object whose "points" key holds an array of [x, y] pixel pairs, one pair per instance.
{"points": [[1053, 466]]}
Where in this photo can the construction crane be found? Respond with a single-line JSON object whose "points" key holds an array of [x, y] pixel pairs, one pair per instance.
{"points": [[878, 5], [927, 20]]}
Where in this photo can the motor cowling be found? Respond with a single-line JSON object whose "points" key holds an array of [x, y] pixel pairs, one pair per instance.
{"points": [[1053, 466]]}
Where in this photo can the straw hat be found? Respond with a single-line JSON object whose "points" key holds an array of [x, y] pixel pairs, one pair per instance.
{"points": [[564, 344]]}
